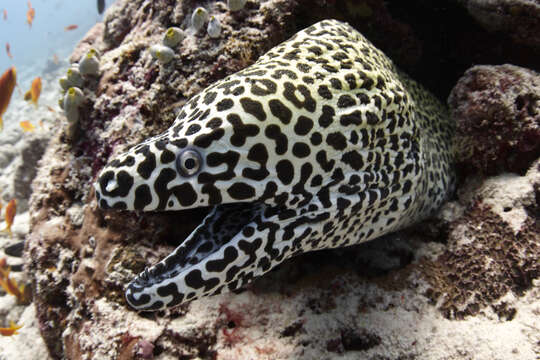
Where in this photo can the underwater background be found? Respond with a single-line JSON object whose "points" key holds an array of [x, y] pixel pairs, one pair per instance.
{"points": [[464, 284]]}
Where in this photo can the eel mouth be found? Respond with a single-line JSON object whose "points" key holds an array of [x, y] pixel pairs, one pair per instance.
{"points": [[198, 265]]}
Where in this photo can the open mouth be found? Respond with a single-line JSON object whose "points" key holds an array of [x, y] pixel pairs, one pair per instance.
{"points": [[216, 232]]}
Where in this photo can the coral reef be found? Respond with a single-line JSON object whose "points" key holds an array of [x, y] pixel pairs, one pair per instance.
{"points": [[315, 306], [497, 111]]}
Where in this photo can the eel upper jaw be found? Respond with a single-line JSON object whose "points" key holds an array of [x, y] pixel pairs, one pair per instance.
{"points": [[209, 246]]}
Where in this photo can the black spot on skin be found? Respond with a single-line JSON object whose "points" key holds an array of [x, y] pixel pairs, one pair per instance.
{"points": [[330, 68], [301, 150], [167, 157], [299, 187], [229, 255], [205, 140], [335, 83], [214, 196], [354, 118], [351, 80], [228, 86], [316, 138], [248, 231], [364, 99], [337, 140], [322, 159], [224, 104], [285, 171], [180, 143], [193, 129], [143, 196], [280, 111], [254, 108], [240, 131], [263, 87], [308, 80], [289, 93], [128, 161], [274, 132], [214, 123], [327, 116], [315, 50], [407, 186], [269, 191], [345, 101], [303, 125], [241, 191], [343, 203], [305, 68], [353, 159], [209, 97], [316, 181], [292, 55], [324, 92], [258, 154], [194, 280], [148, 165], [280, 72], [324, 196], [372, 119], [185, 194], [215, 159]]}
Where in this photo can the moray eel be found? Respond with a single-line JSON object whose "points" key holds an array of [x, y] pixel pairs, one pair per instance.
{"points": [[322, 143]]}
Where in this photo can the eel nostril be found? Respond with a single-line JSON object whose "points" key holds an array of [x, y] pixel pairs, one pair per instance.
{"points": [[111, 185]]}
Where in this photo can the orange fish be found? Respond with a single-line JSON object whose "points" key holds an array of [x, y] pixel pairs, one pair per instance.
{"points": [[11, 210], [34, 92], [27, 126], [30, 14], [55, 59], [8, 50], [11, 330], [51, 110], [71, 27], [5, 14], [10, 285], [7, 84]]}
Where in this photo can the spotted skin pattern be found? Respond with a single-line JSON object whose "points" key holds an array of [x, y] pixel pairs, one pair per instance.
{"points": [[322, 143]]}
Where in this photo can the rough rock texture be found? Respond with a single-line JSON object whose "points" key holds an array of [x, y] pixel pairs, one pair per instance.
{"points": [[497, 110], [518, 18], [321, 305]]}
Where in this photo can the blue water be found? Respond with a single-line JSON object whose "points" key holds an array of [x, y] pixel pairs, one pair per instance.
{"points": [[32, 47]]}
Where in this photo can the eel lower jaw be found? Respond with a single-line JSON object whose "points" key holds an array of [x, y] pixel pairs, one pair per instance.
{"points": [[184, 274]]}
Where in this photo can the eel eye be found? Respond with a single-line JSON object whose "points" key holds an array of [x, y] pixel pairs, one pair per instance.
{"points": [[188, 163]]}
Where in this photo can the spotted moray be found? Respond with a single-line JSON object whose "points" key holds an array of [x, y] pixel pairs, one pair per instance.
{"points": [[322, 143]]}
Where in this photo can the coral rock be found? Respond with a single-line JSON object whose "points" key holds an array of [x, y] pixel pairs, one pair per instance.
{"points": [[497, 110]]}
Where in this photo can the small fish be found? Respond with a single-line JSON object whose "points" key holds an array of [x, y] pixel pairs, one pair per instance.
{"points": [[30, 14], [8, 51], [7, 84], [34, 92], [5, 14], [10, 285], [71, 27], [11, 330], [55, 59], [27, 126], [11, 210], [100, 6], [51, 110]]}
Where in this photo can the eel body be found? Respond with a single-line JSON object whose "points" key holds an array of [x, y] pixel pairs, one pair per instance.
{"points": [[322, 143]]}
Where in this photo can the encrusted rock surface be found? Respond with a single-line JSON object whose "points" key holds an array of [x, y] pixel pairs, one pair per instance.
{"points": [[321, 305], [497, 111], [518, 18]]}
